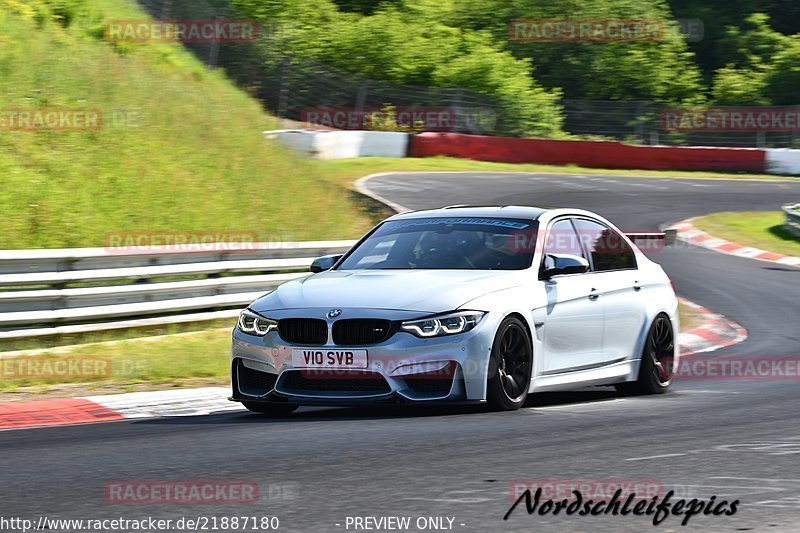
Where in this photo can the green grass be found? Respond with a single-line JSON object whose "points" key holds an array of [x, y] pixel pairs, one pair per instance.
{"points": [[194, 159], [68, 340], [186, 359], [758, 229]]}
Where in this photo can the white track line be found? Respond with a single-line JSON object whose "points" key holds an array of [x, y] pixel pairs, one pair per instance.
{"points": [[655, 457]]}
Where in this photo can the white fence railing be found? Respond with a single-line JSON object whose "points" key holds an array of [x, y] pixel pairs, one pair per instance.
{"points": [[47, 292]]}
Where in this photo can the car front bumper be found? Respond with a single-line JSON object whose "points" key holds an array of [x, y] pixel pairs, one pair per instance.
{"points": [[402, 369]]}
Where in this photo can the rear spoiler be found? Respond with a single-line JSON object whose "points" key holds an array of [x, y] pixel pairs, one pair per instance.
{"points": [[668, 236]]}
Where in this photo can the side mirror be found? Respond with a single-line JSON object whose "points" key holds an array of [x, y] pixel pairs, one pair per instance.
{"points": [[325, 262], [559, 264]]}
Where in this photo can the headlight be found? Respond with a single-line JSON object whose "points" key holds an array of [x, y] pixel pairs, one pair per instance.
{"points": [[256, 325], [438, 326]]}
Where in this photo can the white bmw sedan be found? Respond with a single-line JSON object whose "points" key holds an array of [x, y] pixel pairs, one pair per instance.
{"points": [[462, 304]]}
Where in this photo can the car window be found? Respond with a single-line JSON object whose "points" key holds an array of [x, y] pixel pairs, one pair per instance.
{"points": [[608, 249], [465, 243], [562, 239]]}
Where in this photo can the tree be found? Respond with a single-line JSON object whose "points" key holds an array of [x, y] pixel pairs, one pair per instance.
{"points": [[409, 42], [763, 66], [783, 78], [661, 70]]}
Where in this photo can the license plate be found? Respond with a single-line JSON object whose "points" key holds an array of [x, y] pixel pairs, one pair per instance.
{"points": [[316, 358]]}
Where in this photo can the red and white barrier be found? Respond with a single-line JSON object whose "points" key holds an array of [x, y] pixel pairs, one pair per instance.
{"points": [[605, 154], [587, 153], [783, 161]]}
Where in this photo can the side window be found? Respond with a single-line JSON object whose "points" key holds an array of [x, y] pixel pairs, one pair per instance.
{"points": [[562, 239], [608, 249]]}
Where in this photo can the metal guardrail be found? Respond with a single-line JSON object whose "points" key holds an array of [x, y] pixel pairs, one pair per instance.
{"points": [[38, 296], [792, 218], [70, 259]]}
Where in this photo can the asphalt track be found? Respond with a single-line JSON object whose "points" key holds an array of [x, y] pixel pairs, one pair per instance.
{"points": [[729, 439]]}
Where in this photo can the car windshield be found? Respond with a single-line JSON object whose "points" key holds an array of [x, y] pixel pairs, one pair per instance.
{"points": [[464, 243]]}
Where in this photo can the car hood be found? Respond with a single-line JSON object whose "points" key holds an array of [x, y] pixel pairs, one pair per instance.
{"points": [[426, 291]]}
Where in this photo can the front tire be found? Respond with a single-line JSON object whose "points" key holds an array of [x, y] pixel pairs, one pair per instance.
{"points": [[510, 366], [657, 367], [273, 409]]}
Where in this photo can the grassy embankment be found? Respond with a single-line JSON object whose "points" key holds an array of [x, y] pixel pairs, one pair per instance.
{"points": [[180, 148]]}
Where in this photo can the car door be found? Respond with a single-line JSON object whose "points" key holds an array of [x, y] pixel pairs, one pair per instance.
{"points": [[615, 276], [571, 323]]}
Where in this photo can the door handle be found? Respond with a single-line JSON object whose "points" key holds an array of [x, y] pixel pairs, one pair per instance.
{"points": [[594, 296], [636, 286]]}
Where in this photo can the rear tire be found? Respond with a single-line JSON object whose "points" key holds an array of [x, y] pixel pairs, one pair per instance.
{"points": [[273, 409], [510, 366], [656, 369]]}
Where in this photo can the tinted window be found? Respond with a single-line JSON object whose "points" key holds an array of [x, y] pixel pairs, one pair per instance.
{"points": [[608, 249], [466, 243]]}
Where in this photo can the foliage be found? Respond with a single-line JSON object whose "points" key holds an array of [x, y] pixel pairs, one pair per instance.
{"points": [[660, 70], [748, 55], [718, 16], [409, 42], [763, 66], [386, 120]]}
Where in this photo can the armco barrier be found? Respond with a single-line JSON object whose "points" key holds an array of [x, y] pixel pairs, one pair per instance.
{"points": [[39, 296], [587, 153], [343, 144], [792, 218]]}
